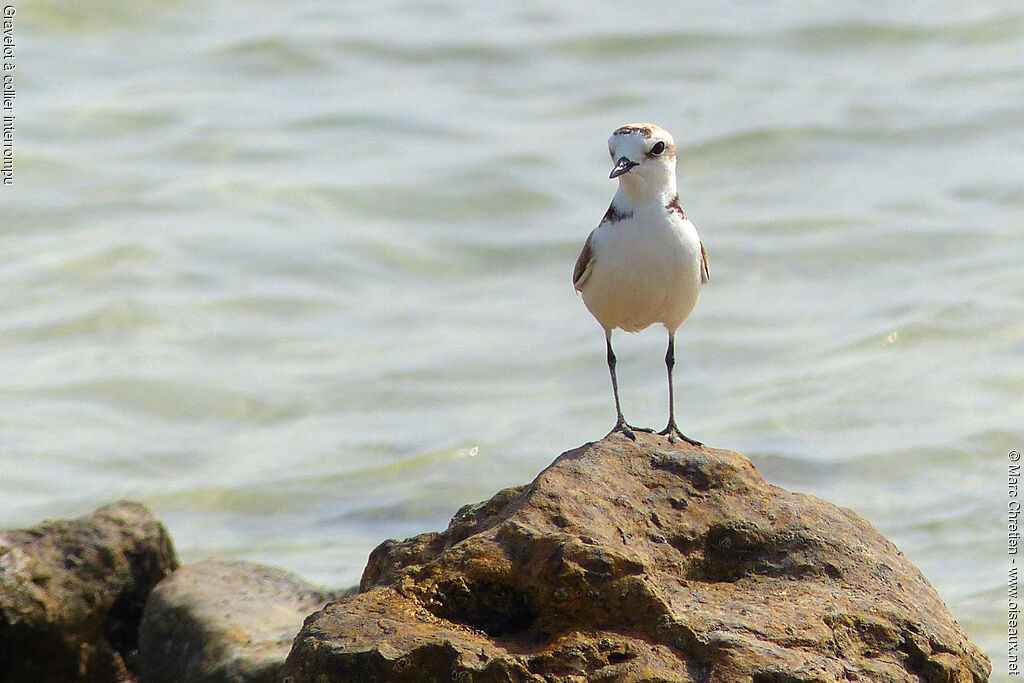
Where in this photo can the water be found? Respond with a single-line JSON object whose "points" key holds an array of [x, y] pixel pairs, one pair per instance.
{"points": [[297, 275]]}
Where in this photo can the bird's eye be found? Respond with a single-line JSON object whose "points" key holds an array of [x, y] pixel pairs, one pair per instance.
{"points": [[658, 148]]}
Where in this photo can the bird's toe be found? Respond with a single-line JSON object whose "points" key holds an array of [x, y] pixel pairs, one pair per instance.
{"points": [[675, 436], [624, 429]]}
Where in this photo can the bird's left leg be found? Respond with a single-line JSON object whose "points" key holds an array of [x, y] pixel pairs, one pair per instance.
{"points": [[671, 430]]}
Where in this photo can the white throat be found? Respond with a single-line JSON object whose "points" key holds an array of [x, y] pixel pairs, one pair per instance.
{"points": [[642, 188]]}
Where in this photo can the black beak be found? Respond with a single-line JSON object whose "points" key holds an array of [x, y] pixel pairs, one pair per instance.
{"points": [[622, 166]]}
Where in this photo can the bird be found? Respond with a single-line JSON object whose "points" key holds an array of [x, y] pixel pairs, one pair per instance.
{"points": [[644, 263]]}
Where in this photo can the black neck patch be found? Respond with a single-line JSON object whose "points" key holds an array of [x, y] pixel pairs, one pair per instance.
{"points": [[673, 207], [612, 215]]}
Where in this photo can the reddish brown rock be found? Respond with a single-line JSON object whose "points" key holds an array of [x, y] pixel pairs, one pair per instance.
{"points": [[641, 561], [72, 593]]}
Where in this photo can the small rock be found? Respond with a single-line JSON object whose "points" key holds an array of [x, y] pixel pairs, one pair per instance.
{"points": [[72, 594], [641, 561], [224, 621]]}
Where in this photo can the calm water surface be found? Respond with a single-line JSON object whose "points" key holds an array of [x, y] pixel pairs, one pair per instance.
{"points": [[297, 275]]}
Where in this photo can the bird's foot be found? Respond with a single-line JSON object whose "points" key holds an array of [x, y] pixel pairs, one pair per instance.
{"points": [[675, 436], [629, 430]]}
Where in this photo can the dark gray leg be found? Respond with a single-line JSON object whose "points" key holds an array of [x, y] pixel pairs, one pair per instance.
{"points": [[671, 430], [620, 422]]}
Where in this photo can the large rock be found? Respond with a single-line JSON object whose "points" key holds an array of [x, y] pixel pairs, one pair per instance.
{"points": [[72, 594], [224, 621], [641, 561]]}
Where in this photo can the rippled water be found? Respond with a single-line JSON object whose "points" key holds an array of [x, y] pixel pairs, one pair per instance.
{"points": [[296, 275]]}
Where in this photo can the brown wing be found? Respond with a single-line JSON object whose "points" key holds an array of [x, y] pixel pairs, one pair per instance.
{"points": [[705, 275], [583, 264]]}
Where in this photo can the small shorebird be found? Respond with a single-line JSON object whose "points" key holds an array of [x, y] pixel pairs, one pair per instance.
{"points": [[644, 263]]}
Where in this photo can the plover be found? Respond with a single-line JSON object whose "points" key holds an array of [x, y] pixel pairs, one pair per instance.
{"points": [[644, 263]]}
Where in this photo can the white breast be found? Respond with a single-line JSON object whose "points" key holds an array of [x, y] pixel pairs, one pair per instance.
{"points": [[646, 270]]}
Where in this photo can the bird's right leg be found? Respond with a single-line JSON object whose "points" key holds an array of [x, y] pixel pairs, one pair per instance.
{"points": [[620, 422]]}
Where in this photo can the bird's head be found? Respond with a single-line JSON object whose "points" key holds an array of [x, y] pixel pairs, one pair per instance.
{"points": [[644, 160]]}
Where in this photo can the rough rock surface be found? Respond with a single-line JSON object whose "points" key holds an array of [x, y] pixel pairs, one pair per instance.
{"points": [[72, 594], [647, 562], [224, 621]]}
